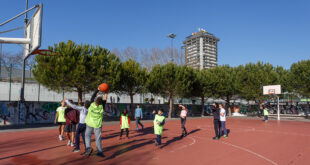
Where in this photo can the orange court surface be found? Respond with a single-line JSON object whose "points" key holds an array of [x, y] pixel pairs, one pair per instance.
{"points": [[250, 142]]}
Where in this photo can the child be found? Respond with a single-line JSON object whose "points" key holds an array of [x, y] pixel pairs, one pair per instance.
{"points": [[159, 122], [60, 119], [183, 120], [266, 113], [94, 122], [125, 122], [223, 120], [138, 117], [72, 118], [82, 125]]}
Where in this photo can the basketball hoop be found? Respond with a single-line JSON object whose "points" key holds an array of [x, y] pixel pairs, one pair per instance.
{"points": [[44, 52], [271, 91]]}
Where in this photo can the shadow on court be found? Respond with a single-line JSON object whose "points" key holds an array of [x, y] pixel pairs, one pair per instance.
{"points": [[177, 138]]}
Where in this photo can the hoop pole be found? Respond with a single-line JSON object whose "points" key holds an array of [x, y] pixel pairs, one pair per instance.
{"points": [[278, 108]]}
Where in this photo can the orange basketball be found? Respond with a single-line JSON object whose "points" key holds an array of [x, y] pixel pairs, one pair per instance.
{"points": [[104, 87]]}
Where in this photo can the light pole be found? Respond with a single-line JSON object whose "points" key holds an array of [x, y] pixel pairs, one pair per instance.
{"points": [[172, 36]]}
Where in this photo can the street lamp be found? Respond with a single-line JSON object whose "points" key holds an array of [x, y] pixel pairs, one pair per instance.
{"points": [[172, 36]]}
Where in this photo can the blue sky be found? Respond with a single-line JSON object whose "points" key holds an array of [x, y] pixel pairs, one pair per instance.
{"points": [[274, 31]]}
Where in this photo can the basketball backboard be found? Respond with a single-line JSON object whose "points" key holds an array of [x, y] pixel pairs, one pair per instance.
{"points": [[272, 90], [32, 38], [34, 31]]}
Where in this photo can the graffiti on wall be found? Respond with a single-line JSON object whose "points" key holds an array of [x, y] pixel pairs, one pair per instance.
{"points": [[27, 112]]}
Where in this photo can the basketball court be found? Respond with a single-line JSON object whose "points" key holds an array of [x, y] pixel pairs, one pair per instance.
{"points": [[249, 142]]}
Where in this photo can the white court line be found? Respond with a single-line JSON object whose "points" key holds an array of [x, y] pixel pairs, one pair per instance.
{"points": [[244, 149], [252, 152], [184, 146]]}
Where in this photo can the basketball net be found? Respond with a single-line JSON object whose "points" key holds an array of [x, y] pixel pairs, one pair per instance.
{"points": [[44, 52]]}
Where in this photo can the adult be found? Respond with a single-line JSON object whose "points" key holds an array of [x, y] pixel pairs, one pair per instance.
{"points": [[183, 115], [94, 122], [82, 125], [216, 120], [138, 117]]}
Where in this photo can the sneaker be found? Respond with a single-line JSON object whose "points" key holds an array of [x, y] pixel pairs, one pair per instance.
{"points": [[100, 154], [225, 136], [72, 144], [137, 128], [156, 143], [142, 127], [88, 151], [215, 138], [69, 143], [60, 138], [76, 150]]}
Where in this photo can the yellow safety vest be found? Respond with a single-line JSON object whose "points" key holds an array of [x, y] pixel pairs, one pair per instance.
{"points": [[94, 116], [158, 129], [124, 121], [61, 114]]}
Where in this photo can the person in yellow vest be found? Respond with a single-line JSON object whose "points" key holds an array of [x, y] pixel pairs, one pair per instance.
{"points": [[159, 122], [94, 123], [60, 119], [266, 113], [124, 123]]}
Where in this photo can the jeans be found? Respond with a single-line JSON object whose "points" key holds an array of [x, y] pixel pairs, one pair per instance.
{"points": [[97, 132], [138, 122], [127, 132], [80, 130], [158, 139], [223, 127], [216, 123], [183, 122]]}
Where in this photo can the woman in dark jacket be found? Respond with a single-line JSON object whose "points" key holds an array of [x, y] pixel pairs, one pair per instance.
{"points": [[216, 120]]}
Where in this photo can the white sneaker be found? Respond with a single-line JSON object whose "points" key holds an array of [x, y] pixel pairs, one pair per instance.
{"points": [[72, 145], [69, 142], [60, 138]]}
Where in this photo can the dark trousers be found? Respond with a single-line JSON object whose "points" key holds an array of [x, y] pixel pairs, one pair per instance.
{"points": [[183, 122], [138, 122], [223, 127], [158, 139], [266, 118], [80, 130], [216, 123], [127, 132]]}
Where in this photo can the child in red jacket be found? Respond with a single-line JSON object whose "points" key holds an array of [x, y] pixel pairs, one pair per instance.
{"points": [[124, 123]]}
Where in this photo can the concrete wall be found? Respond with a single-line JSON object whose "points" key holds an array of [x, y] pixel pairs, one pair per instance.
{"points": [[34, 92]]}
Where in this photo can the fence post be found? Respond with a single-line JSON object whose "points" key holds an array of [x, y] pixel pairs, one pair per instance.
{"points": [[39, 93], [10, 82]]}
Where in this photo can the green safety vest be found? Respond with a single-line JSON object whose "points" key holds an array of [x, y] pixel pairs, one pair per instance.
{"points": [[124, 121], [265, 112], [94, 116], [61, 114], [158, 129]]}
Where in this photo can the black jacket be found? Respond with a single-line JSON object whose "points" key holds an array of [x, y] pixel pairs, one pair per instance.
{"points": [[216, 113]]}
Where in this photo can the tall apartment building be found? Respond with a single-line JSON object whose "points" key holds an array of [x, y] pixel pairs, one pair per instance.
{"points": [[201, 50]]}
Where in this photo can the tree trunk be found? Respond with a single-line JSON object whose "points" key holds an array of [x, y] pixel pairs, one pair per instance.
{"points": [[131, 105], [228, 105], [170, 106], [202, 105], [80, 93]]}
